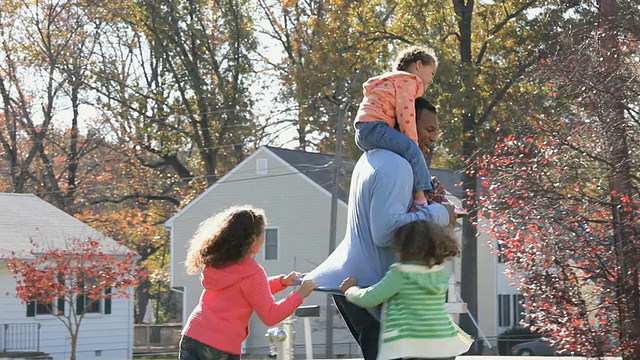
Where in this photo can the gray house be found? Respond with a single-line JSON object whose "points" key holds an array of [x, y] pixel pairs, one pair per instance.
{"points": [[294, 189]]}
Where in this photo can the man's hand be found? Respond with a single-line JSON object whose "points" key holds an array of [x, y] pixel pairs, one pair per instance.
{"points": [[306, 288], [437, 184], [288, 280], [348, 283], [452, 215]]}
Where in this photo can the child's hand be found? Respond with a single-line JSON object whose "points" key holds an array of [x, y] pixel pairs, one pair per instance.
{"points": [[288, 280], [348, 283], [306, 288]]}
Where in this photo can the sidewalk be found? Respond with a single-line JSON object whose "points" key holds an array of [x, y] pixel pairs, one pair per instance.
{"points": [[496, 357]]}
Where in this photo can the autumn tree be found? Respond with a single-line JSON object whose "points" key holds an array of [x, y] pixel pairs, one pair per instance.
{"points": [[563, 193], [326, 56], [52, 41], [69, 282]]}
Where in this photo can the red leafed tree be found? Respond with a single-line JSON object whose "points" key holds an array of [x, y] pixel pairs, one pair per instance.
{"points": [[561, 192], [70, 281]]}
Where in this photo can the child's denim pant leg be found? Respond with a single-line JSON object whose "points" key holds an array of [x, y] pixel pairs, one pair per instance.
{"points": [[379, 135]]}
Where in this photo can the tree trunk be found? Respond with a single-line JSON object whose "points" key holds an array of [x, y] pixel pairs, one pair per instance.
{"points": [[624, 218], [74, 344], [469, 286]]}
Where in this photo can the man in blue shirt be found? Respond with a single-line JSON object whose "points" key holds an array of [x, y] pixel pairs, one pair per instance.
{"points": [[381, 193]]}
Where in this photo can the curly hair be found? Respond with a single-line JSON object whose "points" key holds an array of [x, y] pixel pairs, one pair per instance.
{"points": [[413, 54], [225, 237], [425, 242]]}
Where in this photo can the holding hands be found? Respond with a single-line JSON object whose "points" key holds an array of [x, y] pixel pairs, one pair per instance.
{"points": [[348, 283], [295, 278], [290, 279]]}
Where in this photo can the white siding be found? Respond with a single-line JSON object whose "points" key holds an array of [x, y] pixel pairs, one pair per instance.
{"points": [[293, 204], [111, 334], [486, 286]]}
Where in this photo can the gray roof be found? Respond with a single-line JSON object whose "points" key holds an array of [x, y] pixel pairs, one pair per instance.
{"points": [[25, 216], [450, 180], [316, 166]]}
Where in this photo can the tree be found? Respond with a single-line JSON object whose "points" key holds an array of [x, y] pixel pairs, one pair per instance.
{"points": [[564, 193], [485, 51], [326, 58], [51, 41], [71, 281]]}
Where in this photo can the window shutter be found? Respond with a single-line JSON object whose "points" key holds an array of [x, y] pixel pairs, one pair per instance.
{"points": [[61, 305], [61, 298], [107, 301], [80, 299], [31, 309]]}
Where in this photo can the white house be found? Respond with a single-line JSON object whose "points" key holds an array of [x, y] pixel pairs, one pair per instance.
{"points": [[106, 332], [294, 189]]}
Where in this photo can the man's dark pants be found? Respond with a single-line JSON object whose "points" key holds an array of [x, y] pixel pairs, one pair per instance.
{"points": [[362, 325]]}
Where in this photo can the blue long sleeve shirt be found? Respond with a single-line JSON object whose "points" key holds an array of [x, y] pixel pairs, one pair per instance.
{"points": [[380, 194]]}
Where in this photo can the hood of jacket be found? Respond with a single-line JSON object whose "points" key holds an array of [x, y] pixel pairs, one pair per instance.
{"points": [[220, 278], [432, 279]]}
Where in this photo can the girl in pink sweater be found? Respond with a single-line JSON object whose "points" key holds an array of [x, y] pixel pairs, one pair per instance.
{"points": [[389, 104], [235, 285]]}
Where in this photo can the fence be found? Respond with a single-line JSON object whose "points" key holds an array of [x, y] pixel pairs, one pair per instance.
{"points": [[148, 337], [21, 337]]}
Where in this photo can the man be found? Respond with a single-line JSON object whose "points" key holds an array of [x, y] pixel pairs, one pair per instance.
{"points": [[381, 192]]}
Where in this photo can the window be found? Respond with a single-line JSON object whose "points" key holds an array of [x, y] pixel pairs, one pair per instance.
{"points": [[271, 244], [93, 306], [43, 309], [500, 255], [518, 310], [35, 308], [262, 166], [504, 310], [510, 310]]}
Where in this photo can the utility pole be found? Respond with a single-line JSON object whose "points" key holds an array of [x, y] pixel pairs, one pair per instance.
{"points": [[337, 167]]}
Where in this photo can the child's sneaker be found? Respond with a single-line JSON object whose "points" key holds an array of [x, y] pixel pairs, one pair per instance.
{"points": [[418, 204]]}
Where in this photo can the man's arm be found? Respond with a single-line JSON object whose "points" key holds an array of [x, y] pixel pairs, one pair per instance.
{"points": [[388, 211]]}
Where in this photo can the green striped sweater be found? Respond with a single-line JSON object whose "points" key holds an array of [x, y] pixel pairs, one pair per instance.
{"points": [[415, 322]]}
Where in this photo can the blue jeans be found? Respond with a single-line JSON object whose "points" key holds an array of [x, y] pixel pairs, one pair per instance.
{"points": [[379, 135], [191, 349], [362, 325]]}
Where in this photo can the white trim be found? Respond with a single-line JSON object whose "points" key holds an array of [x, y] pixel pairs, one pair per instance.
{"points": [[264, 246], [171, 258], [417, 268], [131, 304], [169, 223], [184, 306], [308, 179]]}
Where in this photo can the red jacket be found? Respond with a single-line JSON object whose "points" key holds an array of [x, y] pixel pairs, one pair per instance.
{"points": [[231, 294]]}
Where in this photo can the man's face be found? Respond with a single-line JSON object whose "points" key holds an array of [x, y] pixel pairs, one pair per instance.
{"points": [[428, 130]]}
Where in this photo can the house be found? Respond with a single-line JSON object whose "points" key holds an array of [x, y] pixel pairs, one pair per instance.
{"points": [[106, 332], [294, 189]]}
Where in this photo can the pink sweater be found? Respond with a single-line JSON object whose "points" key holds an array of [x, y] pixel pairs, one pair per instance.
{"points": [[391, 97], [231, 294]]}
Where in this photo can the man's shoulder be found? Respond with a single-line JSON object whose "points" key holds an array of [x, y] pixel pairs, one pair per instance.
{"points": [[381, 160]]}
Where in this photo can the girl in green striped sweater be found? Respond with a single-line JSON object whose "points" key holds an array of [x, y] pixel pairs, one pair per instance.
{"points": [[415, 323]]}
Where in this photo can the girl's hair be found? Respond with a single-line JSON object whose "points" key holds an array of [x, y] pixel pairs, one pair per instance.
{"points": [[413, 54], [425, 242], [225, 237]]}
